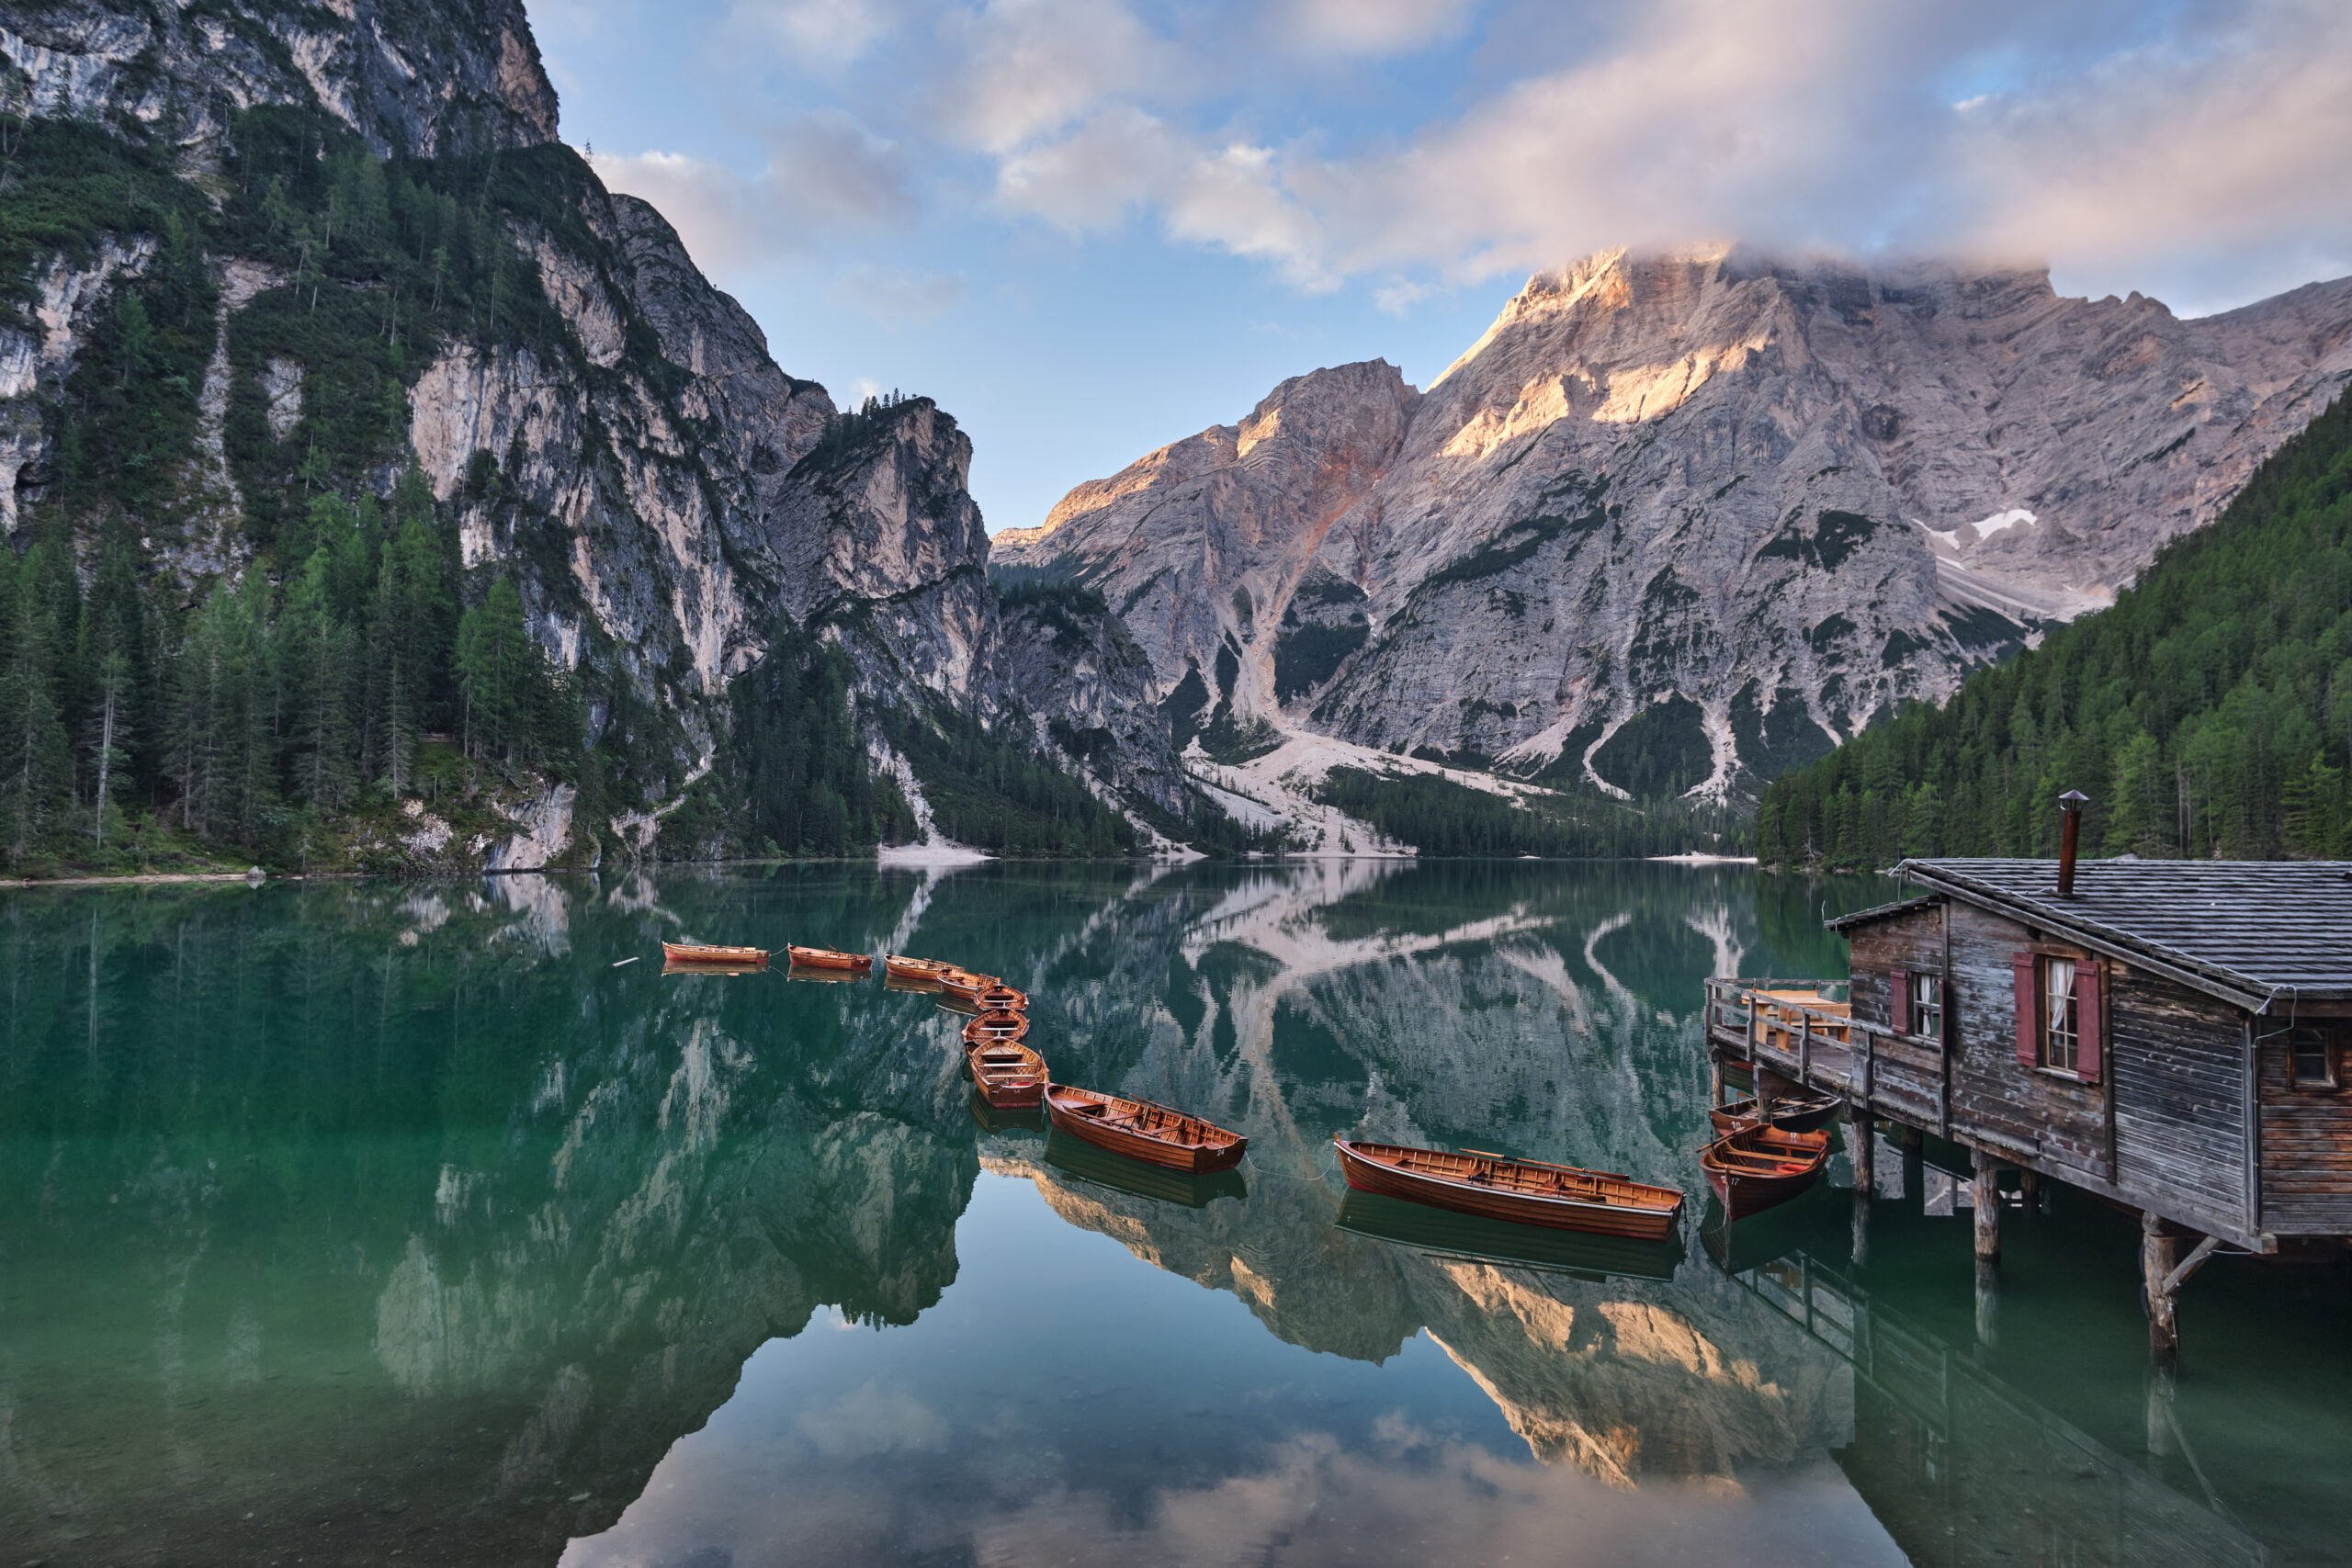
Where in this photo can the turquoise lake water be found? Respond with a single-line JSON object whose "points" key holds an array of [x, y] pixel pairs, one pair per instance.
{"points": [[359, 1223]]}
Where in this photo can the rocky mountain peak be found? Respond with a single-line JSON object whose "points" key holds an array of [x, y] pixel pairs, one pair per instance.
{"points": [[427, 78], [1258, 501], [766, 621], [1675, 521]]}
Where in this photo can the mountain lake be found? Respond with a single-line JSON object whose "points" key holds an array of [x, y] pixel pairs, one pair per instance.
{"points": [[361, 1221]]}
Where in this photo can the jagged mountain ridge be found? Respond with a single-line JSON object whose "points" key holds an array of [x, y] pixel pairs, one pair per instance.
{"points": [[1674, 523], [666, 496]]}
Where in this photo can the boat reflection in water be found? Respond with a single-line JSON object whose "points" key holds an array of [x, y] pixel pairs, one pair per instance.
{"points": [[1006, 1118], [1471, 1239], [809, 975], [1077, 1158]]}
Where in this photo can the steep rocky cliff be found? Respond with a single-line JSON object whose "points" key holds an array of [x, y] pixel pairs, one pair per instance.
{"points": [[1674, 523], [275, 256]]}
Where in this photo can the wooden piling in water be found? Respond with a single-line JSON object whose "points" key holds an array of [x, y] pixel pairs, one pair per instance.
{"points": [[1984, 1197], [2159, 1256]]}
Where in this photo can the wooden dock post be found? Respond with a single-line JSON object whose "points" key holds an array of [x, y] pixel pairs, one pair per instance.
{"points": [[2163, 1269], [1861, 1148], [1988, 1305], [1984, 1197], [1913, 1144], [2159, 1256]]}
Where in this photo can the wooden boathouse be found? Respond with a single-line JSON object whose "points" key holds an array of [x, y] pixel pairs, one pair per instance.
{"points": [[2175, 1037]]}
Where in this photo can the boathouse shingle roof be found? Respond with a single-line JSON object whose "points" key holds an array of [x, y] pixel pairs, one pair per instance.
{"points": [[2263, 934]]}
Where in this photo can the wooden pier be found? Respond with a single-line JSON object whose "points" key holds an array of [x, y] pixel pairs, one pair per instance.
{"points": [[2174, 1038]]}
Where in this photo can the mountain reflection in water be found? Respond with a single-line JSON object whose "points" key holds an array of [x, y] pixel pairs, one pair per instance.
{"points": [[352, 1219]]}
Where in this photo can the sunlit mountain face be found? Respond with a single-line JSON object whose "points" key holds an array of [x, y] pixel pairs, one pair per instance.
{"points": [[355, 1219]]}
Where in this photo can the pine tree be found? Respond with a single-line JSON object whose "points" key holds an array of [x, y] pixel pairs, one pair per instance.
{"points": [[317, 649], [35, 766]]}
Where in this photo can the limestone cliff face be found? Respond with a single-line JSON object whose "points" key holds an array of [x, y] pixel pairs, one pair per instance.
{"points": [[432, 79], [666, 497], [1073, 670], [1674, 523], [1203, 545]]}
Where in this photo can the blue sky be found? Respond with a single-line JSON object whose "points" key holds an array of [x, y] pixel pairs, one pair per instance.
{"points": [[1090, 227]]}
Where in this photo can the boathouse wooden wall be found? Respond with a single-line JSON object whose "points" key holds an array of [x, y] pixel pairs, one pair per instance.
{"points": [[2306, 1147], [2165, 1126]]}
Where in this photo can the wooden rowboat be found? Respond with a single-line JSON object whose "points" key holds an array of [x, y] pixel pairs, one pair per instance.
{"points": [[1806, 1111], [827, 958], [1140, 1130], [993, 1026], [1758, 1166], [1009, 1073], [1523, 1191], [705, 953], [963, 986], [1002, 997], [898, 966]]}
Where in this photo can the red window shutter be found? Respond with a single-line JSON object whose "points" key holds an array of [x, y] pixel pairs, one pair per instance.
{"points": [[1898, 1003], [2021, 970], [2090, 1022]]}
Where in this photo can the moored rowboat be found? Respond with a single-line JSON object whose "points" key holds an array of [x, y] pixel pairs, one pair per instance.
{"points": [[1002, 997], [1758, 1166], [963, 986], [1806, 1111], [1522, 1192], [827, 958], [1009, 1073], [706, 952], [1141, 1130], [993, 1026], [899, 966]]}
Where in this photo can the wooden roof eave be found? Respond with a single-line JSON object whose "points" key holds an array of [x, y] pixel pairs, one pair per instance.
{"points": [[2235, 989], [1883, 911]]}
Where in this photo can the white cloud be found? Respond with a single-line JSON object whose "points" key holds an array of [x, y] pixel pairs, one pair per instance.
{"points": [[826, 178], [1769, 121], [1370, 27], [2205, 142], [825, 35], [1227, 195], [2189, 156], [1016, 70], [827, 171]]}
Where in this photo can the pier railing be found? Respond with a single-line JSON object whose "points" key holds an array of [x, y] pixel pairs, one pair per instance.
{"points": [[1804, 1031]]}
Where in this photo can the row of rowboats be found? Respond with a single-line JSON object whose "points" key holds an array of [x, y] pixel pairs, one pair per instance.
{"points": [[1754, 1161]]}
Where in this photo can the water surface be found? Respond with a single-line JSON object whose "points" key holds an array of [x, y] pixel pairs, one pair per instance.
{"points": [[351, 1221]]}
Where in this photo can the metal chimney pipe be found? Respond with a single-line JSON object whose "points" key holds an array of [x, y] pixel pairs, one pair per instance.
{"points": [[2070, 814]]}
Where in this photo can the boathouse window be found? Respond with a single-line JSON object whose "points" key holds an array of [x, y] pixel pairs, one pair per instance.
{"points": [[1926, 994], [2311, 1053], [2060, 1015], [2062, 1037]]}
